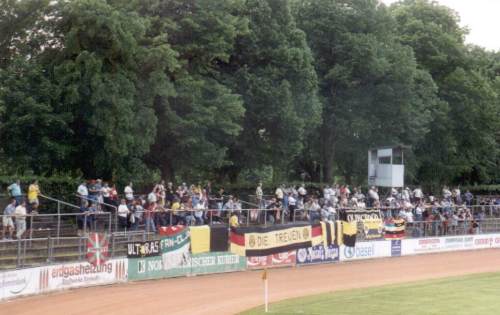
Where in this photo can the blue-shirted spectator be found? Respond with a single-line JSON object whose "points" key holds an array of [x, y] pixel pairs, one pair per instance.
{"points": [[15, 191]]}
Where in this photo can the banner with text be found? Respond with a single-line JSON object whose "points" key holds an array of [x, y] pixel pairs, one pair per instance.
{"points": [[318, 254], [263, 241], [270, 261]]}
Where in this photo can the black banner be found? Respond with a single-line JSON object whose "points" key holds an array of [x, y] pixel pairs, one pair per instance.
{"points": [[143, 249], [361, 215]]}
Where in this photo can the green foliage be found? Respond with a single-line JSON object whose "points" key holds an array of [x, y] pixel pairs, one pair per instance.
{"points": [[240, 91], [372, 90], [272, 68]]}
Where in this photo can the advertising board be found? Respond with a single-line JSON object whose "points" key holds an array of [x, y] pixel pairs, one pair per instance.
{"points": [[157, 267], [449, 243], [366, 250], [276, 260], [83, 274], [19, 282], [395, 248], [317, 254]]}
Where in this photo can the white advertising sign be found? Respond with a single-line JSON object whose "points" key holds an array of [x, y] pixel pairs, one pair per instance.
{"points": [[18, 283], [82, 274], [366, 250], [450, 243]]}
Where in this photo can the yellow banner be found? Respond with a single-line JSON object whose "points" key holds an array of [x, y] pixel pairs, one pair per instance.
{"points": [[278, 238]]}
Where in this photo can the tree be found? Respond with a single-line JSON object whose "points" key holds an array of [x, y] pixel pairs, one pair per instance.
{"points": [[372, 92], [462, 145], [272, 68], [108, 82], [198, 120], [34, 131]]}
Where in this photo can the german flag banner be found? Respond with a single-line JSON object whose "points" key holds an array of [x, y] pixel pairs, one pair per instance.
{"points": [[394, 229], [207, 238], [263, 241]]}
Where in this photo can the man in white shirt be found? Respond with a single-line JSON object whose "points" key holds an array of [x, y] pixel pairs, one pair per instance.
{"points": [[129, 192], [373, 196], [123, 212], [326, 193], [279, 194], [418, 194], [302, 192], [152, 197], [83, 193], [20, 215], [406, 194]]}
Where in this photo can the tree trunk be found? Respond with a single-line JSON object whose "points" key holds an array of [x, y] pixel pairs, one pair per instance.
{"points": [[328, 153]]}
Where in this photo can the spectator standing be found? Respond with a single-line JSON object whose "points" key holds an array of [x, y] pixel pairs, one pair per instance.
{"points": [[106, 196], [83, 193], [219, 199], [279, 194], [20, 214], [162, 193], [98, 193], [292, 205], [373, 197], [113, 196], [123, 212], [169, 192], [469, 197], [15, 191], [129, 192], [259, 194], [33, 192], [418, 195], [7, 222], [138, 213], [92, 191], [149, 218], [302, 193], [152, 197]]}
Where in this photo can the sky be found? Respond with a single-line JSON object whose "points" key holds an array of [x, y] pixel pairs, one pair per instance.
{"points": [[481, 17]]}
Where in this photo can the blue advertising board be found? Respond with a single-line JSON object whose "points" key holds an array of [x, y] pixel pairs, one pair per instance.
{"points": [[318, 254], [395, 248]]}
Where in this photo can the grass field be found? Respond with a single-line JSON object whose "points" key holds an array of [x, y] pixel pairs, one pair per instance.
{"points": [[470, 295]]}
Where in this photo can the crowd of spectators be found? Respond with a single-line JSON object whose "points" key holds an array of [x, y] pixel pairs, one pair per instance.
{"points": [[164, 205], [424, 214], [199, 204], [14, 215]]}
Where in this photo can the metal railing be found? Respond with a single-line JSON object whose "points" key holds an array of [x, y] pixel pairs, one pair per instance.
{"points": [[42, 251]]}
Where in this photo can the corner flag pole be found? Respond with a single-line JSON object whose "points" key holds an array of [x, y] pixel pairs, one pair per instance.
{"points": [[266, 291]]}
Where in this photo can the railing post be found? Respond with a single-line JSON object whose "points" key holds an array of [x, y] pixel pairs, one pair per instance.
{"points": [[24, 252], [80, 256], [31, 226], [109, 223], [58, 220], [18, 263], [85, 224], [112, 244], [48, 248]]}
